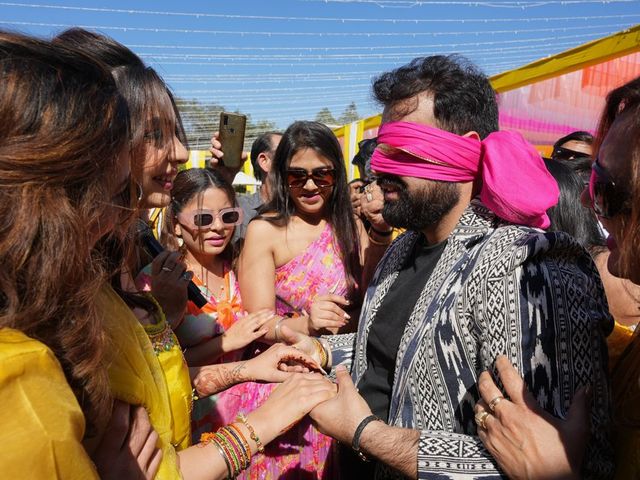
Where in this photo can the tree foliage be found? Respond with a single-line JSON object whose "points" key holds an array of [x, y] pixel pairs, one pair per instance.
{"points": [[201, 120]]}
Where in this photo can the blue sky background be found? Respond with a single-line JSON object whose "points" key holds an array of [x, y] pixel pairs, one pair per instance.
{"points": [[283, 60]]}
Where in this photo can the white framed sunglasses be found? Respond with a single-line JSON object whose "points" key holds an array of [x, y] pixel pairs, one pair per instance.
{"points": [[202, 219]]}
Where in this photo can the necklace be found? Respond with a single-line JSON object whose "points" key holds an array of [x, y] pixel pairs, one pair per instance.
{"points": [[222, 294]]}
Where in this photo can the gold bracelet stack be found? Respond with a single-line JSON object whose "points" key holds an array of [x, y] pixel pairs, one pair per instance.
{"points": [[232, 446]]}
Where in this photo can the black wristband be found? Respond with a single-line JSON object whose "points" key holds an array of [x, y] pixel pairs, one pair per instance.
{"points": [[380, 233], [355, 443]]}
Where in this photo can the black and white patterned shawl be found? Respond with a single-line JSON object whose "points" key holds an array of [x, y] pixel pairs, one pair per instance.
{"points": [[497, 289]]}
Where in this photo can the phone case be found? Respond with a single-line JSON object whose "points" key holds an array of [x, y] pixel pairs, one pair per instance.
{"points": [[232, 128]]}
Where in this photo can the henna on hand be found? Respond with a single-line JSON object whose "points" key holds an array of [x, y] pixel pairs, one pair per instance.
{"points": [[215, 378]]}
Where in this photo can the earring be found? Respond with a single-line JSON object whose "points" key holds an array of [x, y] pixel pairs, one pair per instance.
{"points": [[179, 241]]}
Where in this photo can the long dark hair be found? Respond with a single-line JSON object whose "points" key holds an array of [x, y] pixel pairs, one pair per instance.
{"points": [[63, 127], [188, 185], [569, 215], [316, 136]]}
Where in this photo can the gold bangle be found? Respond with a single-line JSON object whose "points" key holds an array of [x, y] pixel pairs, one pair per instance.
{"points": [[324, 358]]}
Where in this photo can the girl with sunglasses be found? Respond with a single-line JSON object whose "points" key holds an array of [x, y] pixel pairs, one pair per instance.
{"points": [[526, 442], [200, 222], [305, 258]]}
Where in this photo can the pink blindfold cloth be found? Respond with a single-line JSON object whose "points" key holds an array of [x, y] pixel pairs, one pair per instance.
{"points": [[516, 184]]}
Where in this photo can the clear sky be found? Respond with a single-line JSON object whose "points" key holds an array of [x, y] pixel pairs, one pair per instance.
{"points": [[286, 59]]}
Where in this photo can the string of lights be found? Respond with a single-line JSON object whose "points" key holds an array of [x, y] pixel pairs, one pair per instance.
{"points": [[313, 34], [130, 11]]}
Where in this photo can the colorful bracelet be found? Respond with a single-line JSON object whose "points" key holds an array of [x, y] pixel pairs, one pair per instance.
{"points": [[228, 449], [224, 456], [232, 446], [242, 448], [234, 428], [242, 417]]}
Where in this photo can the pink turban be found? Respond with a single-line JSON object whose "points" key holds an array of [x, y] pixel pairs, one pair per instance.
{"points": [[516, 184]]}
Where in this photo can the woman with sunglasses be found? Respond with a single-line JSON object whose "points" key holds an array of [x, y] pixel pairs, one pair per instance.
{"points": [[305, 258], [200, 223], [526, 442]]}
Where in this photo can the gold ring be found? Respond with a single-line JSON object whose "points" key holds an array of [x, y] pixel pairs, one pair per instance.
{"points": [[481, 418], [494, 402]]}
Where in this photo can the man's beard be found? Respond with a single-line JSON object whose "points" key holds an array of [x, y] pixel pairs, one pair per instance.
{"points": [[420, 209]]}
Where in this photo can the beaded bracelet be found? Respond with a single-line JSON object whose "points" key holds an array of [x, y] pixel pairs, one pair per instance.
{"points": [[242, 417]]}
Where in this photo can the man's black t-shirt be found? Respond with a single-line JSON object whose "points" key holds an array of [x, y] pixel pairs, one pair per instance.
{"points": [[389, 324]]}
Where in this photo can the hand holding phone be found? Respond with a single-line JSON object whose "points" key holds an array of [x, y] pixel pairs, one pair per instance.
{"points": [[231, 136]]}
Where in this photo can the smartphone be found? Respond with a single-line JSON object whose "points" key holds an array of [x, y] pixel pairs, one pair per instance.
{"points": [[232, 128]]}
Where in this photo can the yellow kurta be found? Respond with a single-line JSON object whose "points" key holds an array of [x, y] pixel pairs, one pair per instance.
{"points": [[624, 347], [137, 378], [41, 423], [176, 375]]}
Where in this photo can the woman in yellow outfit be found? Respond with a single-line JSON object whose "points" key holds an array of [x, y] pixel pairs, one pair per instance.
{"points": [[66, 183], [64, 171]]}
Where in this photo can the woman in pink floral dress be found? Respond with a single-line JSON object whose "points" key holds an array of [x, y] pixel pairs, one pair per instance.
{"points": [[304, 257]]}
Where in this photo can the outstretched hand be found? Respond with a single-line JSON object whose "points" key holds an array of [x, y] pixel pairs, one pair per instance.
{"points": [[327, 313], [301, 342], [289, 403], [526, 441], [246, 329], [340, 416], [279, 362]]}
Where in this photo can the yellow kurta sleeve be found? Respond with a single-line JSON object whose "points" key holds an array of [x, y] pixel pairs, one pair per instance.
{"points": [[136, 376], [41, 423]]}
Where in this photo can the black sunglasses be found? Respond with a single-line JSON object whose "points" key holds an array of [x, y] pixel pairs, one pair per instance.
{"points": [[607, 198], [323, 177], [561, 153]]}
